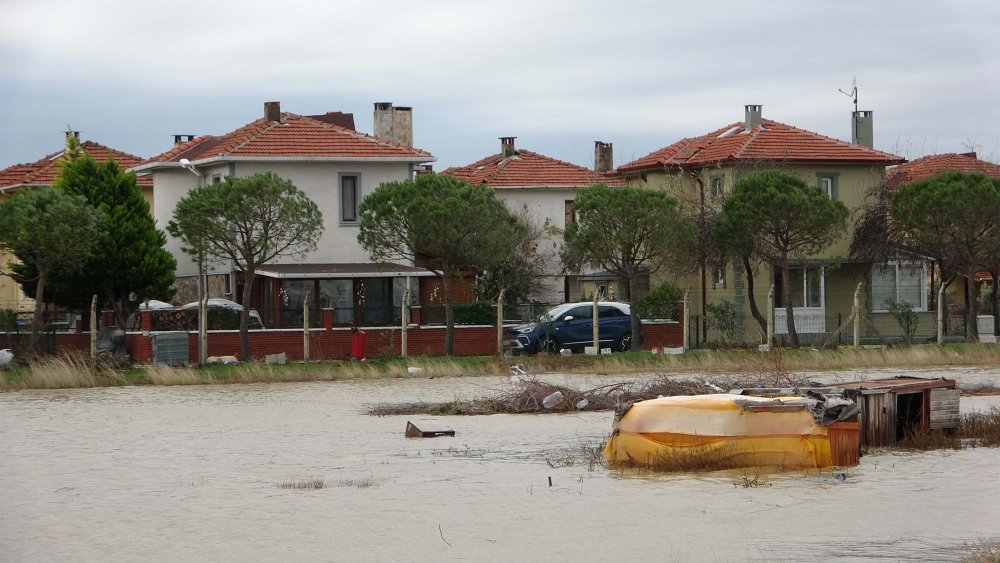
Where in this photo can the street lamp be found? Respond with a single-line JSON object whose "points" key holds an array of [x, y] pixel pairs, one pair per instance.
{"points": [[202, 282]]}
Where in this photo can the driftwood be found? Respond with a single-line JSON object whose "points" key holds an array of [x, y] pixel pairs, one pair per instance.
{"points": [[526, 395]]}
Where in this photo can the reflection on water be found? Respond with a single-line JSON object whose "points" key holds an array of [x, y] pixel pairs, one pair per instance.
{"points": [[191, 473]]}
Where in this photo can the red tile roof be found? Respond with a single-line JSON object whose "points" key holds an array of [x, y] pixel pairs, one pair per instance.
{"points": [[295, 136], [925, 167], [528, 168], [770, 141], [44, 171]]}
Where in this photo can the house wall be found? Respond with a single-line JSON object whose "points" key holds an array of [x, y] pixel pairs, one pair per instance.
{"points": [[319, 180], [546, 208], [852, 183]]}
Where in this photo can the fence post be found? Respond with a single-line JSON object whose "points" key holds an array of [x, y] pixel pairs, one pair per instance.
{"points": [[595, 333], [856, 311], [405, 321], [770, 315], [305, 329], [93, 328], [940, 315], [687, 321], [500, 322]]}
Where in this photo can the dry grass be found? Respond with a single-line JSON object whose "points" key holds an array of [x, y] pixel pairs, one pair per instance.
{"points": [[975, 430], [687, 459], [69, 371], [307, 484], [170, 375], [777, 365], [366, 483], [981, 552]]}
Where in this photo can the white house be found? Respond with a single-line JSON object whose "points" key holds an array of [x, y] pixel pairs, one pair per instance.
{"points": [[336, 166], [545, 188]]}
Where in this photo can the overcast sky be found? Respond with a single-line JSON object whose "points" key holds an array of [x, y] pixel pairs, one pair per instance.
{"points": [[557, 75]]}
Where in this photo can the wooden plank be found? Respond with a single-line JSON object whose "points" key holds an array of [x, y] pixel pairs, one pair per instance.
{"points": [[413, 432], [945, 408]]}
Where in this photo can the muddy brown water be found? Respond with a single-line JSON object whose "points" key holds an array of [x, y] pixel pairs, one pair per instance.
{"points": [[192, 474]]}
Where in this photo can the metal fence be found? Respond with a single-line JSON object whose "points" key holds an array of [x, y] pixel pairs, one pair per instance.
{"points": [[831, 323]]}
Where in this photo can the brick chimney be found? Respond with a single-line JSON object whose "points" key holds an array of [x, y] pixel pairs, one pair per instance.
{"points": [[604, 154], [73, 133], [862, 128], [752, 119], [272, 111], [507, 147]]}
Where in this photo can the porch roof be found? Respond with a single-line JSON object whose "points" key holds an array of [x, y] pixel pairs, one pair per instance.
{"points": [[345, 270]]}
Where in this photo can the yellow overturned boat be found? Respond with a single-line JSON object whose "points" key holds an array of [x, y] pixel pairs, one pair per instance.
{"points": [[733, 430]]}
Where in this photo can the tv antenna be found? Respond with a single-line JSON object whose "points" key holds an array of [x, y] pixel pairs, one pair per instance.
{"points": [[853, 93]]}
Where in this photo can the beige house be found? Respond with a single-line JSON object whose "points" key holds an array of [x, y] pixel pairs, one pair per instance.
{"points": [[701, 171], [42, 174]]}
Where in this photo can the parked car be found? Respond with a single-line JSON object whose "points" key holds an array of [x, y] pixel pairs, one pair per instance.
{"points": [[570, 325]]}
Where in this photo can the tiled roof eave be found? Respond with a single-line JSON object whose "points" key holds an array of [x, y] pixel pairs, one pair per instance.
{"points": [[733, 160], [150, 166]]}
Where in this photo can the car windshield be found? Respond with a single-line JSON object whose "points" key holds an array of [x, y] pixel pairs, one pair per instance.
{"points": [[553, 313]]}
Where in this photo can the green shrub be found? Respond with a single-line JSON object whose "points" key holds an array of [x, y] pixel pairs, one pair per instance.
{"points": [[664, 302], [478, 313], [906, 318], [722, 317]]}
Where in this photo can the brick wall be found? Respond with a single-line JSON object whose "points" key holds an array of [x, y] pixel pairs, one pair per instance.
{"points": [[328, 342]]}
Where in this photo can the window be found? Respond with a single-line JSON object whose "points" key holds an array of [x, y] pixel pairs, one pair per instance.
{"points": [[609, 312], [570, 213], [719, 275], [216, 178], [715, 189], [349, 192], [828, 183], [580, 312], [807, 288], [899, 282]]}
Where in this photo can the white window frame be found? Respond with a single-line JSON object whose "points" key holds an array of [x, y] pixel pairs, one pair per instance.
{"points": [[828, 183], [894, 265], [357, 197], [805, 288], [716, 187]]}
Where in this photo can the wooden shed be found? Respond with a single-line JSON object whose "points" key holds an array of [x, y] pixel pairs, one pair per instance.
{"points": [[893, 408]]}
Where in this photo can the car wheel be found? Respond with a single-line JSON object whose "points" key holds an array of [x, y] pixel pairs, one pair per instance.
{"points": [[548, 344], [624, 343]]}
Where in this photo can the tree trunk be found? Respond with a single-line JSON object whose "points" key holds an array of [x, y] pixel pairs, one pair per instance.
{"points": [[449, 315], [750, 297], [633, 305], [971, 309], [117, 309], [245, 314], [36, 322], [786, 296]]}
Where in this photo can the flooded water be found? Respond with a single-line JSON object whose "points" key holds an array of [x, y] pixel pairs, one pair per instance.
{"points": [[192, 474]]}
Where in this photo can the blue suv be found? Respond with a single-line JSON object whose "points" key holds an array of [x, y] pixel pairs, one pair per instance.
{"points": [[571, 326]]}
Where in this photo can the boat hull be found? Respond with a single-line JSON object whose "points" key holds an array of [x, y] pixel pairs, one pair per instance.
{"points": [[724, 431]]}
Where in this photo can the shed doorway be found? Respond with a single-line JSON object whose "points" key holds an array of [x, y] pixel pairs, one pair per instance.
{"points": [[909, 414]]}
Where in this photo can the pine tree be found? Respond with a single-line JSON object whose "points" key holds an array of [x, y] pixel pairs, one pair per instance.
{"points": [[130, 263]]}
